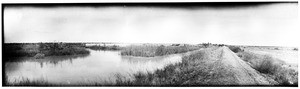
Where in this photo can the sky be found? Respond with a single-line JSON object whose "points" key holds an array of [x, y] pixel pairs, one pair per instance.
{"points": [[265, 25]]}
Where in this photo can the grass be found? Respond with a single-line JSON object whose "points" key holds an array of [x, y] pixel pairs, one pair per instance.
{"points": [[25, 82], [153, 50], [194, 70], [274, 67], [58, 49], [42, 49], [20, 50], [186, 73], [28, 82], [96, 47]]}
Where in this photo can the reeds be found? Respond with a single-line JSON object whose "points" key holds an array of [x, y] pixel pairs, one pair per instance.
{"points": [[155, 50], [46, 49], [98, 47], [269, 65], [26, 82], [186, 73]]}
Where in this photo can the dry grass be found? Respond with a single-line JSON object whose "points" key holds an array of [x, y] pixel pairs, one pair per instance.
{"points": [[27, 82], [98, 47], [196, 69], [269, 65], [154, 50], [46, 49], [139, 50]]}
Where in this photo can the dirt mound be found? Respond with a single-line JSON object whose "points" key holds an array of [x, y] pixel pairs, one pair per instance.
{"points": [[234, 71]]}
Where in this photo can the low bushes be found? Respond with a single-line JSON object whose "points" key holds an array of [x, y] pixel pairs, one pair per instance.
{"points": [[296, 49], [96, 47], [180, 74], [59, 49], [20, 50], [262, 63], [165, 50], [152, 50], [194, 70], [42, 49], [235, 49], [139, 50], [271, 66]]}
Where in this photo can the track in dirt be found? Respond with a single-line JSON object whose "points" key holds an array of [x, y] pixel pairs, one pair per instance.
{"points": [[225, 62], [243, 72]]}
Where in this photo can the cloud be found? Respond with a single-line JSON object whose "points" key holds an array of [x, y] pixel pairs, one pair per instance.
{"points": [[263, 25]]}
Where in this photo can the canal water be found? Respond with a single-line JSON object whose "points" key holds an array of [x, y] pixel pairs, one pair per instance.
{"points": [[97, 67]]}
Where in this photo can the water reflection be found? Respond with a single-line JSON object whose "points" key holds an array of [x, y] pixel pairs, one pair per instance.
{"points": [[144, 64], [98, 67]]}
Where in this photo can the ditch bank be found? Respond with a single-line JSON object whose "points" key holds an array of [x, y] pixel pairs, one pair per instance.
{"points": [[214, 66]]}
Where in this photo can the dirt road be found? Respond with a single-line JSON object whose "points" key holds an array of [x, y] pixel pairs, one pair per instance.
{"points": [[243, 73], [226, 68]]}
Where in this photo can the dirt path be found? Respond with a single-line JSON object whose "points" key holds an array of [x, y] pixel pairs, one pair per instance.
{"points": [[226, 68], [243, 73]]}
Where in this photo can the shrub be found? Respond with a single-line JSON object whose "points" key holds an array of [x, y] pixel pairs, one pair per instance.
{"points": [[42, 49], [267, 65], [113, 47], [153, 50], [296, 49], [139, 50], [271, 66], [193, 70], [235, 49], [19, 50], [39, 56]]}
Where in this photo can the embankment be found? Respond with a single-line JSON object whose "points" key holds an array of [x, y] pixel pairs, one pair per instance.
{"points": [[271, 67], [217, 66]]}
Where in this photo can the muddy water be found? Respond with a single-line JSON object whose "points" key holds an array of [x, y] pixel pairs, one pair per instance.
{"points": [[97, 67]]}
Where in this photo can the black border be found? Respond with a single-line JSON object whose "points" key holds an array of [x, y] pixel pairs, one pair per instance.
{"points": [[146, 4], [184, 5]]}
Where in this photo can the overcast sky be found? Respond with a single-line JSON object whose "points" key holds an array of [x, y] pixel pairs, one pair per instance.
{"points": [[274, 24]]}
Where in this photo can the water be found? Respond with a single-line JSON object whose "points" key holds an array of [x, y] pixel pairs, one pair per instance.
{"points": [[97, 67]]}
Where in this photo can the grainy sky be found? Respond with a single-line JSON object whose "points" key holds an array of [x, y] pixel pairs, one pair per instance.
{"points": [[274, 24]]}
